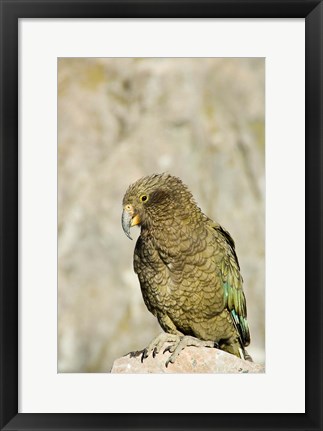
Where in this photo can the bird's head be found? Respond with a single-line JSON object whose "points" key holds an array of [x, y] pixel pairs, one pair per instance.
{"points": [[152, 200]]}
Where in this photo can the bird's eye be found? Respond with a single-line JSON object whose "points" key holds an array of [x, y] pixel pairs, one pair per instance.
{"points": [[143, 198]]}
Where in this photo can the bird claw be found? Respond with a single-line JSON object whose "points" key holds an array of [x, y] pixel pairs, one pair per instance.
{"points": [[157, 350], [177, 344], [187, 341], [169, 361], [170, 348], [157, 343], [144, 355]]}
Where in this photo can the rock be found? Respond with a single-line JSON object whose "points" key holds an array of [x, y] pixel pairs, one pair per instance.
{"points": [[190, 360]]}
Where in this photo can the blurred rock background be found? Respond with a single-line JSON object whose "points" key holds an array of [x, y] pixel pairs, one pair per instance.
{"points": [[119, 119]]}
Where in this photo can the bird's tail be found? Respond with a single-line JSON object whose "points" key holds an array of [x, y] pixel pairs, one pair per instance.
{"points": [[237, 349], [246, 355]]}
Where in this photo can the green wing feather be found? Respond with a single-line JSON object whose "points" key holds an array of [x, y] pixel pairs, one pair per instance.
{"points": [[235, 299]]}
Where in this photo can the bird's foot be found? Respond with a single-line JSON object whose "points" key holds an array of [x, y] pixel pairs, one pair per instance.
{"points": [[157, 343], [183, 342]]}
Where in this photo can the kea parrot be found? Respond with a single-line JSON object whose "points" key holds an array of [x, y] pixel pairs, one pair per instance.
{"points": [[188, 269]]}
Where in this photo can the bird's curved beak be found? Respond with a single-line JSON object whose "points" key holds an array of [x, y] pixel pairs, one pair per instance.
{"points": [[128, 219]]}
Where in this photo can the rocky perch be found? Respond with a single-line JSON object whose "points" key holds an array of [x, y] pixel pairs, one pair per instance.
{"points": [[190, 360]]}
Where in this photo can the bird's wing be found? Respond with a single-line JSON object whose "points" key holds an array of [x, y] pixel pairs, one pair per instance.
{"points": [[235, 299]]}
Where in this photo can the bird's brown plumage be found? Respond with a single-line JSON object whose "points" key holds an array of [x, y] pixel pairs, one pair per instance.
{"points": [[186, 264]]}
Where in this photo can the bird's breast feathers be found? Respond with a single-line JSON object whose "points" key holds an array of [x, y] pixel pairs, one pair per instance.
{"points": [[186, 281]]}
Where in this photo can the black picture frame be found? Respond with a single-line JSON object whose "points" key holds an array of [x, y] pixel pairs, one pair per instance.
{"points": [[11, 11]]}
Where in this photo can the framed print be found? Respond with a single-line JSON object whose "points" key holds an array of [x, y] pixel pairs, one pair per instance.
{"points": [[224, 98]]}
